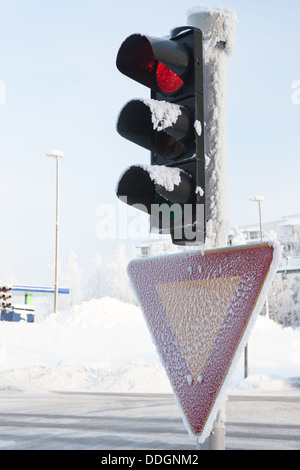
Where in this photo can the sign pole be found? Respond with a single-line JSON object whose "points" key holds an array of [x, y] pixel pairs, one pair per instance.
{"points": [[218, 26], [216, 440]]}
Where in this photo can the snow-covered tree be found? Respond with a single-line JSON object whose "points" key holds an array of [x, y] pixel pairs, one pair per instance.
{"points": [[118, 280], [71, 277], [284, 300], [97, 285]]}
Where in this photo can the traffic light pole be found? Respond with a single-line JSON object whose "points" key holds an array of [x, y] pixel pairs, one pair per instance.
{"points": [[218, 26]]}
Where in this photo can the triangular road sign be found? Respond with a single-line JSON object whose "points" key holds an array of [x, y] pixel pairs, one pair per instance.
{"points": [[200, 307]]}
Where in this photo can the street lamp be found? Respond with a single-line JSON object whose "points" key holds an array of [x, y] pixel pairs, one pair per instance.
{"points": [[259, 199], [58, 155]]}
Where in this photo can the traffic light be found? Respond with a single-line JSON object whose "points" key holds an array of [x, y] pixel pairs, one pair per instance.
{"points": [[171, 125], [5, 297]]}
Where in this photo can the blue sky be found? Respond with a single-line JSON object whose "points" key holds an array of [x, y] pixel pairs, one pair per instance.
{"points": [[63, 91]]}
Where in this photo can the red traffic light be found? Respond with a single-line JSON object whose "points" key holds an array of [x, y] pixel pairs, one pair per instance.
{"points": [[159, 64], [167, 81]]}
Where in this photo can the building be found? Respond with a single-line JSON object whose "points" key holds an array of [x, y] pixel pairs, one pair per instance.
{"points": [[285, 230]]}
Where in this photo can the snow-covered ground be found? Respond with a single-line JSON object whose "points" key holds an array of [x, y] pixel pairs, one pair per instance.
{"points": [[104, 345]]}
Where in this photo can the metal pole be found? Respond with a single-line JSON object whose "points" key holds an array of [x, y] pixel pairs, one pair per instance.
{"points": [[218, 27], [56, 237], [246, 361], [262, 239], [56, 154], [258, 199], [216, 440], [260, 222]]}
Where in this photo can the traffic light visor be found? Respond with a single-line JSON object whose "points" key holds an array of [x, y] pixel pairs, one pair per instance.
{"points": [[145, 185], [156, 63], [157, 126]]}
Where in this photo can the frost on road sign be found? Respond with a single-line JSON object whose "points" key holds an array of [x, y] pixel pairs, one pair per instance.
{"points": [[200, 308]]}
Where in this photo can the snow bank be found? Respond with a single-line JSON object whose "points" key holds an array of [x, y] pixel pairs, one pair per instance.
{"points": [[101, 345], [104, 313], [104, 345], [136, 377]]}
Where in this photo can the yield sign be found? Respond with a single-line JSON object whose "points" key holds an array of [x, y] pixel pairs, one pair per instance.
{"points": [[200, 308]]}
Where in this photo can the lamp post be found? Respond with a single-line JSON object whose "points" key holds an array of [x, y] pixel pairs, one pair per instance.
{"points": [[58, 155], [259, 199]]}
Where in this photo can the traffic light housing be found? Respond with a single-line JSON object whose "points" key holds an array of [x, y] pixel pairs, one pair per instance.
{"points": [[171, 126], [5, 297]]}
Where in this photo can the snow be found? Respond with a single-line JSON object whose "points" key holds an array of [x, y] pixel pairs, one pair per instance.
{"points": [[199, 190], [198, 127], [218, 24], [163, 114], [189, 379], [164, 176], [104, 346]]}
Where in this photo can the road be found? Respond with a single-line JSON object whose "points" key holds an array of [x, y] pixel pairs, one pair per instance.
{"points": [[99, 421]]}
